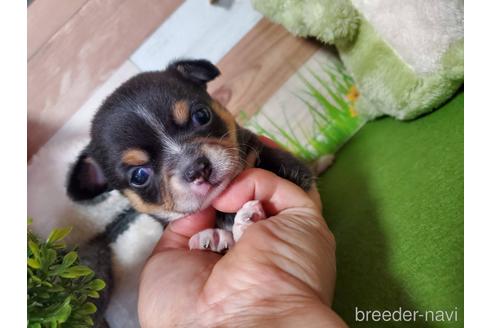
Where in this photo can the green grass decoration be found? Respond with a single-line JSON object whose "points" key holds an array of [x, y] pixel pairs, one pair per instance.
{"points": [[329, 97], [58, 286]]}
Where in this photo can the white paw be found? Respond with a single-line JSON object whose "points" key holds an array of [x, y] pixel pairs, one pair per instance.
{"points": [[216, 240], [322, 163], [251, 212]]}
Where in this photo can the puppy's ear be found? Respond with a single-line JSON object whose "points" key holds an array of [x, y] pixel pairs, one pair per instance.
{"points": [[198, 71], [86, 179]]}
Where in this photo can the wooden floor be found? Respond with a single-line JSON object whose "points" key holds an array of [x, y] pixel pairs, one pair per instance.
{"points": [[79, 51]]}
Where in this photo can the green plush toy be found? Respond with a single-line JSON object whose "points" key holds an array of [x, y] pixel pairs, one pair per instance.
{"points": [[406, 57]]}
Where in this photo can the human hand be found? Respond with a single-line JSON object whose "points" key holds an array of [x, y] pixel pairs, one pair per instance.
{"points": [[280, 273]]}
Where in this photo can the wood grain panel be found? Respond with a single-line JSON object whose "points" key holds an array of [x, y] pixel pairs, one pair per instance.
{"points": [[82, 55], [187, 34], [287, 110], [45, 18], [258, 66]]}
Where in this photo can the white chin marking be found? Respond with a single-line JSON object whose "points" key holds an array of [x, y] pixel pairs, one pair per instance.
{"points": [[192, 197]]}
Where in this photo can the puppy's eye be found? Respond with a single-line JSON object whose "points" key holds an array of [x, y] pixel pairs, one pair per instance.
{"points": [[140, 176], [201, 116]]}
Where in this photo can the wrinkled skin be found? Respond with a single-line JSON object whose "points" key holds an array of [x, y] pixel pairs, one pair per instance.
{"points": [[280, 273]]}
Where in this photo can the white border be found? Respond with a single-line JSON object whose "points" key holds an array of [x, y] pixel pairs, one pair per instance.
{"points": [[478, 164], [13, 31], [478, 120]]}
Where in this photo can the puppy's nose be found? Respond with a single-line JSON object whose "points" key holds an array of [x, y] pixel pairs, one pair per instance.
{"points": [[198, 171]]}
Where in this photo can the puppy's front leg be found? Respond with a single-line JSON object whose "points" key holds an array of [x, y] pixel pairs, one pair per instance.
{"points": [[251, 212], [216, 240], [220, 240]]}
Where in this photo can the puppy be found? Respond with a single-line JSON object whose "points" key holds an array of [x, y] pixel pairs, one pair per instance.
{"points": [[164, 143]]}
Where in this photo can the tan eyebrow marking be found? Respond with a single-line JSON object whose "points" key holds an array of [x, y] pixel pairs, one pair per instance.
{"points": [[139, 204], [228, 119], [134, 156], [142, 206], [181, 112]]}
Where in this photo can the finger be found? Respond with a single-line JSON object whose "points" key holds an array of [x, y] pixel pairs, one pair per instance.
{"points": [[275, 193], [315, 196], [177, 233]]}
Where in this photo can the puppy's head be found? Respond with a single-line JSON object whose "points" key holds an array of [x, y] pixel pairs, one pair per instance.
{"points": [[162, 141]]}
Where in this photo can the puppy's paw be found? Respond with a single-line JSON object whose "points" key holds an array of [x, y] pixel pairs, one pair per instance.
{"points": [[216, 240], [323, 163], [251, 212]]}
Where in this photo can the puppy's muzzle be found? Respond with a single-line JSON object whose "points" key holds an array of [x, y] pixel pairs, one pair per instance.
{"points": [[198, 171]]}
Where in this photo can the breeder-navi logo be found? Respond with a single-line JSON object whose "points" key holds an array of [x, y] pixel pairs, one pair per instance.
{"points": [[405, 315]]}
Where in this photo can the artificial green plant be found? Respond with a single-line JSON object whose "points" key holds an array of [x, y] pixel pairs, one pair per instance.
{"points": [[59, 287]]}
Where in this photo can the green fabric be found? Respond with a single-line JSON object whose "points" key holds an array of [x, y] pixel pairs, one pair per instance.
{"points": [[394, 200], [389, 86], [330, 21]]}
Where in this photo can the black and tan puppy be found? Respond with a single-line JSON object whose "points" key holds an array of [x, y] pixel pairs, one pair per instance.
{"points": [[162, 141]]}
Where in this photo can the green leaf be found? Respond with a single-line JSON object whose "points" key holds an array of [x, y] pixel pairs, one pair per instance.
{"points": [[47, 284], [56, 289], [55, 270], [44, 295], [58, 314], [87, 308], [34, 249], [76, 271], [93, 294], [50, 257], [35, 278], [51, 300], [33, 263], [69, 259], [96, 284], [64, 312], [87, 278], [58, 234], [58, 245], [88, 320]]}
